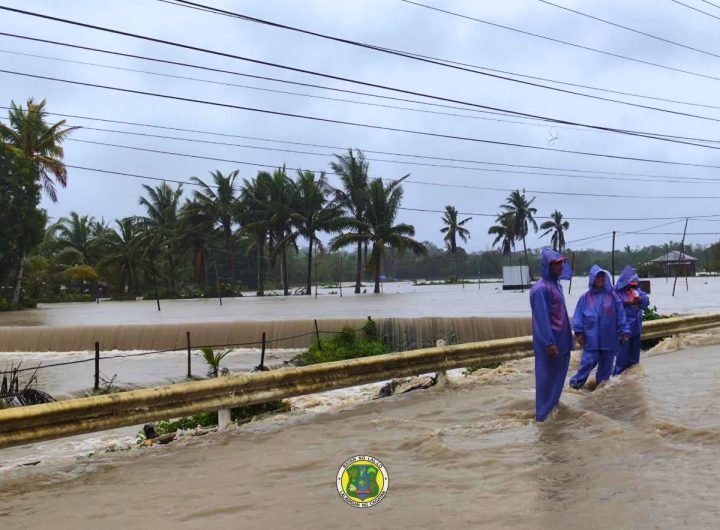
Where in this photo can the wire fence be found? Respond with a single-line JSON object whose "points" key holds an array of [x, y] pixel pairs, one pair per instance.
{"points": [[262, 344]]}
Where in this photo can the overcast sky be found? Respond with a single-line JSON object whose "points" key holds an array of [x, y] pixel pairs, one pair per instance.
{"points": [[392, 24]]}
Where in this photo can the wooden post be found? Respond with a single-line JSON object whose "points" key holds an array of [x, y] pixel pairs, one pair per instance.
{"points": [[262, 353], [613, 258], [97, 366], [572, 266], [682, 255], [189, 358], [317, 334], [157, 295]]}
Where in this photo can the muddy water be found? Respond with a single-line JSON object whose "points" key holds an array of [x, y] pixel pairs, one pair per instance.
{"points": [[410, 316], [641, 452]]}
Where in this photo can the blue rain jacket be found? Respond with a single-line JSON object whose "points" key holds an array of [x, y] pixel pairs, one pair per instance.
{"points": [[634, 299], [600, 315], [550, 322], [551, 325]]}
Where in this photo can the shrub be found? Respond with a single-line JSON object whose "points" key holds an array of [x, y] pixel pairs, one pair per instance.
{"points": [[345, 345]]}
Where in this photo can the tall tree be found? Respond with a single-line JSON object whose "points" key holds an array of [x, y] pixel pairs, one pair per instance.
{"points": [[79, 233], [523, 217], [22, 224], [121, 252], [254, 217], [557, 226], [198, 234], [453, 230], [31, 137], [352, 168], [312, 213], [161, 226], [504, 234], [281, 195], [220, 204], [379, 229]]}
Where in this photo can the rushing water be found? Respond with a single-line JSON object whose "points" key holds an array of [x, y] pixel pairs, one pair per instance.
{"points": [[409, 316], [640, 452]]}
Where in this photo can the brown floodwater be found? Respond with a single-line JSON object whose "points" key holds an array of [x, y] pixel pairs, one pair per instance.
{"points": [[641, 452]]}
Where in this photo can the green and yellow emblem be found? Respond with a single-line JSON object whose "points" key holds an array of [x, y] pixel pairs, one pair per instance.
{"points": [[362, 481]]}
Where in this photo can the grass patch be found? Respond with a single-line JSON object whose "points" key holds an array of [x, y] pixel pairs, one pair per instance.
{"points": [[209, 419], [348, 344]]}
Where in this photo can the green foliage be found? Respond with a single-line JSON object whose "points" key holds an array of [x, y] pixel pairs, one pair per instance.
{"points": [[209, 419], [213, 360], [345, 345], [650, 313]]}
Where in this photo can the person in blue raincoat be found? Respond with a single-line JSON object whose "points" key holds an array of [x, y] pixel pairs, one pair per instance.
{"points": [[635, 301], [552, 337], [600, 326]]}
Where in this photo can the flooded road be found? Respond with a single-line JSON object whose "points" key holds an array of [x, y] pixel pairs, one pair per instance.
{"points": [[399, 300], [641, 452]]}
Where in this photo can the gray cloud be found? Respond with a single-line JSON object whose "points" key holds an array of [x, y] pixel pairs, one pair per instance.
{"points": [[393, 24]]}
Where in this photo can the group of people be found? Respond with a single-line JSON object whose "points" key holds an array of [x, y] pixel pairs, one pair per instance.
{"points": [[607, 325]]}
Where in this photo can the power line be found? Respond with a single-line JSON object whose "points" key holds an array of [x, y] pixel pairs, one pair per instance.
{"points": [[439, 184], [265, 78], [372, 126], [559, 41], [687, 180], [428, 210], [647, 177], [298, 83], [425, 210], [633, 30], [710, 3], [375, 85], [676, 233], [424, 58], [543, 124], [695, 9]]}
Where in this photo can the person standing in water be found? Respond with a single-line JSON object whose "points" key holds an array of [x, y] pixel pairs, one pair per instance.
{"points": [[635, 301], [600, 325], [552, 337]]}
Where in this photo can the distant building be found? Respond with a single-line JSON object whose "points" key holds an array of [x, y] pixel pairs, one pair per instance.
{"points": [[674, 263]]}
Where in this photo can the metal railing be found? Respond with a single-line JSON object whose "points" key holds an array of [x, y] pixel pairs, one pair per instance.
{"points": [[23, 425]]}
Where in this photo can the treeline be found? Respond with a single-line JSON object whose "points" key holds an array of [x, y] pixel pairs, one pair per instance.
{"points": [[225, 234]]}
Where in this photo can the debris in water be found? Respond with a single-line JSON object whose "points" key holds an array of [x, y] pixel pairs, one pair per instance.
{"points": [[402, 386], [12, 396]]}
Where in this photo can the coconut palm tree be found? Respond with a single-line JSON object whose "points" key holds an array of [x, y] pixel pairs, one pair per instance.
{"points": [[453, 230], [196, 229], [161, 225], [503, 232], [352, 168], [557, 226], [312, 213], [121, 252], [522, 213], [253, 215], [31, 137], [281, 192], [379, 229], [78, 233], [219, 201]]}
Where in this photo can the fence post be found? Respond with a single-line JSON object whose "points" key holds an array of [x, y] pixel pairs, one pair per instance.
{"points": [[262, 353], [317, 334], [97, 366], [189, 359]]}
